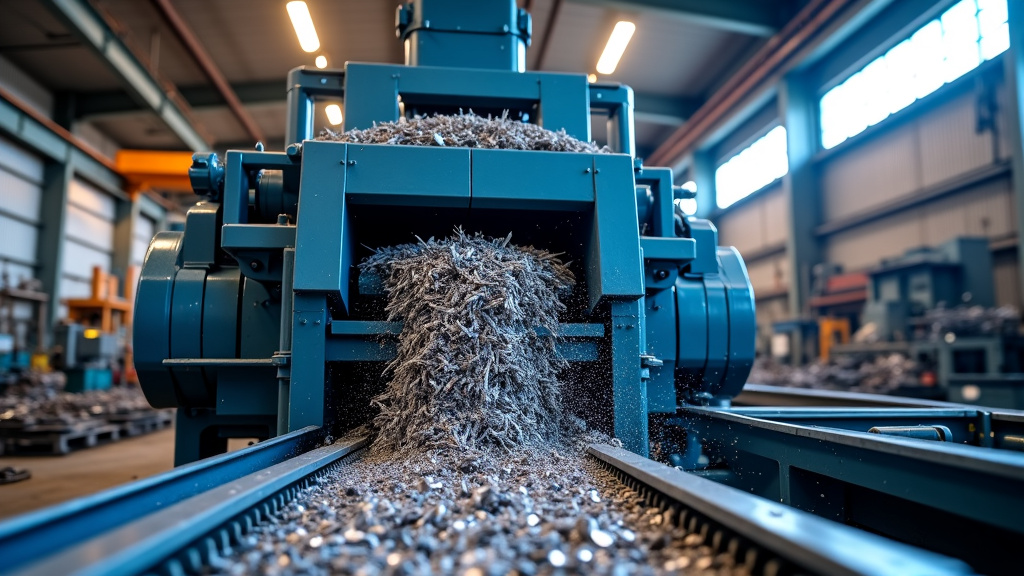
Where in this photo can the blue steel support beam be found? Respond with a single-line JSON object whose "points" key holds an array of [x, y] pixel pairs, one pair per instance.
{"points": [[50, 242], [798, 110], [91, 27], [1014, 62]]}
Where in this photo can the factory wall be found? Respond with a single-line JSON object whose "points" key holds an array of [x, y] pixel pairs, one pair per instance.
{"points": [[92, 213], [922, 177], [21, 191], [939, 151]]}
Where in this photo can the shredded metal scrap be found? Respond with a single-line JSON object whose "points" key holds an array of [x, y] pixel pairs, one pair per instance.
{"points": [[465, 130], [527, 512], [471, 370], [38, 399], [475, 468]]}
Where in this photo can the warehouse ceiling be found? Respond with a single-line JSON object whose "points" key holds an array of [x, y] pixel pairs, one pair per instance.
{"points": [[682, 51]]}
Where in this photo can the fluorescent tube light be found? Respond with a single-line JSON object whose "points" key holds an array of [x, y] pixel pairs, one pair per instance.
{"points": [[617, 43], [303, 24], [321, 61], [333, 112]]}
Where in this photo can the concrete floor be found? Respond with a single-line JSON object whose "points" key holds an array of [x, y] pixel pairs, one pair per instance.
{"points": [[59, 478]]}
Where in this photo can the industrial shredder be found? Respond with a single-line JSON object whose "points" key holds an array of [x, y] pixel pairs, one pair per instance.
{"points": [[254, 320]]}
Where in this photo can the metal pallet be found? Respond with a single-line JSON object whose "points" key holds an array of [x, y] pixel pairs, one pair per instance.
{"points": [[46, 440]]}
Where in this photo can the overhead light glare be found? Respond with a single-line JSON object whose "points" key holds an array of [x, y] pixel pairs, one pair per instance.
{"points": [[303, 24], [617, 43], [333, 112], [321, 61], [591, 78]]}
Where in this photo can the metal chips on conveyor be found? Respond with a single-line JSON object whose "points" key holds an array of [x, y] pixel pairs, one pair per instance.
{"points": [[465, 130]]}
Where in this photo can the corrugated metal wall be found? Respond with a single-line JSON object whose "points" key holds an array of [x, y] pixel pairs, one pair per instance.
{"points": [[924, 154], [915, 160], [21, 181], [88, 237]]}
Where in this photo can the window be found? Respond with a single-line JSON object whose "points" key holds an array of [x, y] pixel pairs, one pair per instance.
{"points": [[755, 167], [946, 48]]}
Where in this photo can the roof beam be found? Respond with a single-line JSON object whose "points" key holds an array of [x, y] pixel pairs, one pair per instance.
{"points": [[88, 104], [84, 21], [663, 110], [209, 67], [649, 108], [751, 17]]}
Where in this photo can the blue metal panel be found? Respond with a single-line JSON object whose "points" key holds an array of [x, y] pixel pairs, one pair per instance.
{"points": [[309, 330], [675, 249], [614, 269], [663, 213], [321, 221], [532, 180], [706, 237], [660, 324], [629, 391], [408, 175]]}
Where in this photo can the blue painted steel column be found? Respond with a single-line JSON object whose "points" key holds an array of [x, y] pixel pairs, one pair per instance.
{"points": [[702, 171], [798, 110], [1014, 66], [50, 243], [629, 391]]}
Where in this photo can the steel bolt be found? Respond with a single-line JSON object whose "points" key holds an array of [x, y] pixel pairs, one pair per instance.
{"points": [[255, 265], [660, 274]]}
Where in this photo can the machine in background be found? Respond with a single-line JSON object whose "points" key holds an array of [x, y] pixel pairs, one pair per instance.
{"points": [[937, 307], [89, 347]]}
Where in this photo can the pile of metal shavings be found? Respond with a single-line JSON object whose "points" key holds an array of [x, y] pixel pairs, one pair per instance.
{"points": [[39, 399], [471, 372], [526, 512], [465, 130]]}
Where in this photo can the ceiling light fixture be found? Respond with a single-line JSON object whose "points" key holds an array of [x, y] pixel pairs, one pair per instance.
{"points": [[591, 78], [321, 61], [333, 112], [303, 24], [617, 43]]}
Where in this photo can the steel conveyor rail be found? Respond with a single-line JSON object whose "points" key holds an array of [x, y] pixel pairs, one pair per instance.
{"points": [[173, 521], [769, 537]]}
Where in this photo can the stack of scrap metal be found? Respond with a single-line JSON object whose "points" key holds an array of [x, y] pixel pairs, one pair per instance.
{"points": [[876, 374], [37, 415]]}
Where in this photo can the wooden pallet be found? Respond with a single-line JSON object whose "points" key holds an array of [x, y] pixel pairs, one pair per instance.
{"points": [[29, 441]]}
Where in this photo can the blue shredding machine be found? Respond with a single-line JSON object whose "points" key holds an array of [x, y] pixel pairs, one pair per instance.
{"points": [[254, 321]]}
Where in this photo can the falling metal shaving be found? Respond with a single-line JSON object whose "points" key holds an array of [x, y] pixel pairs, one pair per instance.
{"points": [[465, 130]]}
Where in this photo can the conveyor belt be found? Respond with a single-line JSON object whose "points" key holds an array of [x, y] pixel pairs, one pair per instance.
{"points": [[176, 522]]}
